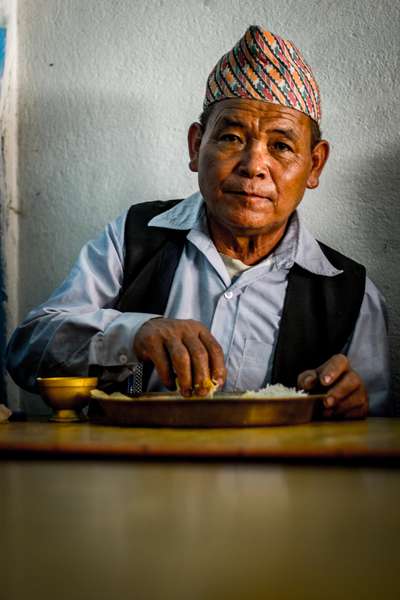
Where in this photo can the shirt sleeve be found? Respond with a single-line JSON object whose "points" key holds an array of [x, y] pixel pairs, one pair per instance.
{"points": [[78, 328], [368, 350]]}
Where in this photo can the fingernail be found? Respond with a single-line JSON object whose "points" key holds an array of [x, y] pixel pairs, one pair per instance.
{"points": [[327, 378], [330, 401]]}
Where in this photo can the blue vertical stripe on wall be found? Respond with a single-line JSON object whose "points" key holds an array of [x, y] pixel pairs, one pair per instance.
{"points": [[3, 296], [3, 32]]}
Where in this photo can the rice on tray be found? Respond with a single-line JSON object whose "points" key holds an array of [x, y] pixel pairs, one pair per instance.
{"points": [[275, 390]]}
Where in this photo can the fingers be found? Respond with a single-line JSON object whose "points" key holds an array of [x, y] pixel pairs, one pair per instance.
{"points": [[347, 410], [181, 366], [307, 380], [352, 407], [347, 397], [333, 368], [324, 375], [150, 349], [184, 350], [348, 385], [200, 360], [216, 358], [346, 394], [198, 366]]}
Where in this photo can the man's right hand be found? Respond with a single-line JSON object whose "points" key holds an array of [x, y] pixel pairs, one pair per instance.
{"points": [[181, 349]]}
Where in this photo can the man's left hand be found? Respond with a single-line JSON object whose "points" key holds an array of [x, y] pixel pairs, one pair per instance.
{"points": [[346, 394]]}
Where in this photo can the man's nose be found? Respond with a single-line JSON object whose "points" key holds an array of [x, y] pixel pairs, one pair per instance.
{"points": [[254, 161]]}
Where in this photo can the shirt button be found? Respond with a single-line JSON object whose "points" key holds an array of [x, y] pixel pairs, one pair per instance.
{"points": [[228, 295], [123, 359]]}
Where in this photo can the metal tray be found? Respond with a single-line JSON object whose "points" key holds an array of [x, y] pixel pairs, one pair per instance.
{"points": [[223, 410]]}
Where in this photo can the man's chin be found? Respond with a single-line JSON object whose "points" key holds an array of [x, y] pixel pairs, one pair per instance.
{"points": [[245, 222], [250, 227]]}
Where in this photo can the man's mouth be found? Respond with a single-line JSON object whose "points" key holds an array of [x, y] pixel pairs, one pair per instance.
{"points": [[248, 193]]}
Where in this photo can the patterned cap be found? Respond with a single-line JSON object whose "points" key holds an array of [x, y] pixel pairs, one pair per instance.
{"points": [[264, 66]]}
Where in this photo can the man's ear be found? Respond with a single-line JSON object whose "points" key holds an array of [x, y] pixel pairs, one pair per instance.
{"points": [[319, 154], [195, 134]]}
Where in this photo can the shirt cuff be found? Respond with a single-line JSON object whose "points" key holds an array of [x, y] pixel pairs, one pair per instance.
{"points": [[113, 347]]}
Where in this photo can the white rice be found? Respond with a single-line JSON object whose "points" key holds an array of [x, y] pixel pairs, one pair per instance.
{"points": [[274, 391]]}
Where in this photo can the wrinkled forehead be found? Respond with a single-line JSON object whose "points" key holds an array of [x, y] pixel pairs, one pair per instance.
{"points": [[257, 114]]}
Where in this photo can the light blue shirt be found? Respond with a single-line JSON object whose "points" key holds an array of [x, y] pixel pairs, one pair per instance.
{"points": [[78, 326]]}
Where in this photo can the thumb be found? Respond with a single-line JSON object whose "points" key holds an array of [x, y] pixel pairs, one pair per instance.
{"points": [[307, 379]]}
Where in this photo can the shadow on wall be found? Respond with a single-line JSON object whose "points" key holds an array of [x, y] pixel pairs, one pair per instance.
{"points": [[80, 171], [379, 225]]}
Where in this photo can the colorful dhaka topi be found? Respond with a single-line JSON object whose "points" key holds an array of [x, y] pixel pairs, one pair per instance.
{"points": [[264, 66]]}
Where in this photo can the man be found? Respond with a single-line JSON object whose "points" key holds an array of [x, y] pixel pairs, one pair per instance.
{"points": [[228, 284]]}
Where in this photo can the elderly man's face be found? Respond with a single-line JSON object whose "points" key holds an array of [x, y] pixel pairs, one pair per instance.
{"points": [[254, 162]]}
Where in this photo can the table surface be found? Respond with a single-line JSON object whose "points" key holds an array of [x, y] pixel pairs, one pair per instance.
{"points": [[198, 531], [93, 528], [367, 440]]}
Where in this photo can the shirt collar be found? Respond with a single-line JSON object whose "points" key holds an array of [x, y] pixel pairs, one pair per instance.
{"points": [[300, 246], [186, 215], [297, 246]]}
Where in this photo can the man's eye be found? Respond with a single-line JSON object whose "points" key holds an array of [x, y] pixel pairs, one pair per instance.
{"points": [[229, 137], [281, 147]]}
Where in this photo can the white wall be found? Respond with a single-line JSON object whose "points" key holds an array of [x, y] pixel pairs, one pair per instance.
{"points": [[9, 218], [107, 90]]}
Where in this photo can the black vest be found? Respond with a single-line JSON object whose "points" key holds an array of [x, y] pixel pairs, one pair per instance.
{"points": [[319, 312]]}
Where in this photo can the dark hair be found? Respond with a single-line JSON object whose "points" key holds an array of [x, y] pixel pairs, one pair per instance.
{"points": [[315, 130], [316, 134]]}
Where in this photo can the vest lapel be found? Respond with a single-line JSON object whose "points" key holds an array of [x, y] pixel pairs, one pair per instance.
{"points": [[149, 290], [299, 338], [318, 318]]}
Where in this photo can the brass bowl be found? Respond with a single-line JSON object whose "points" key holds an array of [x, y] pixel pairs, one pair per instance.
{"points": [[66, 396]]}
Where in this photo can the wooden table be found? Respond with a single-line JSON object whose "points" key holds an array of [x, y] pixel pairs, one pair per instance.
{"points": [[84, 527], [371, 440]]}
